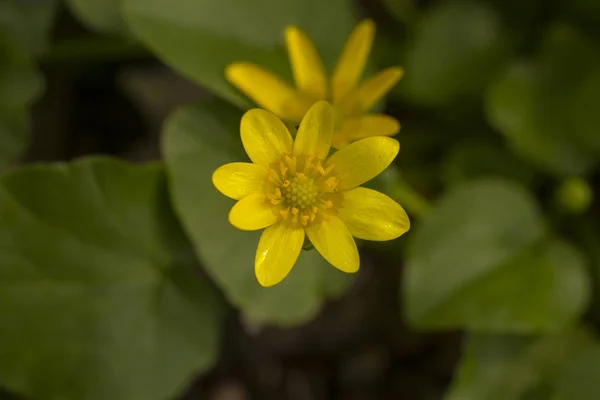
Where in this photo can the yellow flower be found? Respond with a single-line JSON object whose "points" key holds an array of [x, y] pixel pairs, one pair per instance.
{"points": [[292, 188], [351, 101]]}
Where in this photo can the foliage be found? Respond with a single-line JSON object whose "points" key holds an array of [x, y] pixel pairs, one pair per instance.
{"points": [[115, 276]]}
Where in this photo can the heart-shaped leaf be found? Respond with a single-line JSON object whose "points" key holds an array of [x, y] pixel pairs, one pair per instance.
{"points": [[444, 53], [505, 367], [97, 292], [199, 38], [514, 107], [480, 262]]}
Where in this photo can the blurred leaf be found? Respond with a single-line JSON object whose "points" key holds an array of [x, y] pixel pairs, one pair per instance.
{"points": [[473, 261], [584, 111], [98, 297], [456, 48], [28, 23], [402, 10], [509, 367], [472, 160], [523, 17], [567, 64], [100, 15], [513, 107], [200, 37], [580, 380], [198, 140], [20, 85]]}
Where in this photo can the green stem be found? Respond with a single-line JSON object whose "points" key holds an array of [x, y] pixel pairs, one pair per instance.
{"points": [[391, 183]]}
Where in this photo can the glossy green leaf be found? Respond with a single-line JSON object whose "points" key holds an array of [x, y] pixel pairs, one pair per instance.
{"points": [[28, 24], [504, 367], [198, 140], [454, 51], [98, 295], [20, 85], [474, 259], [200, 37], [514, 107], [101, 15]]}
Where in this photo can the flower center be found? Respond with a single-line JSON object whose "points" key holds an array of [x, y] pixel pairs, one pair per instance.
{"points": [[301, 191], [302, 194]]}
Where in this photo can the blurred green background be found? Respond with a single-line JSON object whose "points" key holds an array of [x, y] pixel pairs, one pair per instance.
{"points": [[120, 277]]}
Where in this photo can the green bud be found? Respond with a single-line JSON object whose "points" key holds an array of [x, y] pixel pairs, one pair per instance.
{"points": [[574, 195]]}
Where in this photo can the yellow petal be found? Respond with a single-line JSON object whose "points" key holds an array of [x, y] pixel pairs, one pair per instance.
{"points": [[363, 160], [371, 215], [352, 62], [238, 180], [315, 132], [252, 213], [265, 137], [376, 87], [368, 125], [307, 67], [267, 90], [333, 240], [277, 251]]}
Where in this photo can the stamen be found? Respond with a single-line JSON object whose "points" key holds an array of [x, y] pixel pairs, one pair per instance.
{"points": [[309, 161], [304, 220], [298, 195], [319, 167], [332, 183], [291, 163]]}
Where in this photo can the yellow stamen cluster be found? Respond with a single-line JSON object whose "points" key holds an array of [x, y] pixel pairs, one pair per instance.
{"points": [[301, 190]]}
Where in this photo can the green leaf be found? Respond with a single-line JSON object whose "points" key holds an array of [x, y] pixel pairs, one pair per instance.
{"points": [[454, 50], [200, 37], [197, 140], [100, 15], [580, 379], [20, 85], [474, 261], [507, 367], [584, 111], [514, 107], [98, 296], [28, 23], [569, 62]]}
